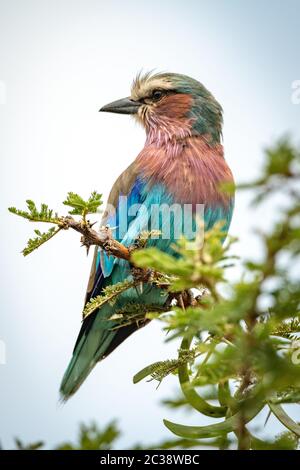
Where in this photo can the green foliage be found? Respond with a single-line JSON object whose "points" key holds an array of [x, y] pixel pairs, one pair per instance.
{"points": [[34, 215], [82, 207], [32, 446], [108, 295], [281, 164], [92, 438], [34, 243], [200, 263], [159, 370], [287, 329], [239, 340], [136, 313], [247, 351], [79, 205]]}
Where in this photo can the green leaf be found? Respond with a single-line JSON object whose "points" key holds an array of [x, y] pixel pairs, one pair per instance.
{"points": [[285, 441], [153, 369], [34, 215], [198, 264], [92, 438], [284, 418], [32, 446], [136, 313], [159, 370], [82, 207], [108, 295], [193, 398], [34, 243], [213, 430]]}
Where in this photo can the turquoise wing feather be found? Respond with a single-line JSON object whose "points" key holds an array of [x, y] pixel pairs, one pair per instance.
{"points": [[97, 338]]}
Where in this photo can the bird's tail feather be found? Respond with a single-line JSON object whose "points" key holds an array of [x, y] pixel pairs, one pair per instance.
{"points": [[94, 343]]}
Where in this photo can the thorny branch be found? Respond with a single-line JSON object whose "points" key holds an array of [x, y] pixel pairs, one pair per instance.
{"points": [[102, 238], [105, 240]]}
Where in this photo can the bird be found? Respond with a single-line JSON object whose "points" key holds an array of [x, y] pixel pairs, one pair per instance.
{"points": [[181, 163]]}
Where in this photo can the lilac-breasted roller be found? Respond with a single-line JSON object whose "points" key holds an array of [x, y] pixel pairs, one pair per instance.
{"points": [[182, 163]]}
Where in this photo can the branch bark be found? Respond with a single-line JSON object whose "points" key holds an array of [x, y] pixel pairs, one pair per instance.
{"points": [[105, 240], [102, 238]]}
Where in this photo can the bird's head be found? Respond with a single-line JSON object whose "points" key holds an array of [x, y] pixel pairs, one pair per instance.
{"points": [[171, 106]]}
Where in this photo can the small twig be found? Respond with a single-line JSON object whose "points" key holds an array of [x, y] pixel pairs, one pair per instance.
{"points": [[90, 237]]}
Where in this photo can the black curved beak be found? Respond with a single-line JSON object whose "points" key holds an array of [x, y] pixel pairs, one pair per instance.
{"points": [[124, 106]]}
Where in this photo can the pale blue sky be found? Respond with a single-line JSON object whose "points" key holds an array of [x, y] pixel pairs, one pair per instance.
{"points": [[59, 62]]}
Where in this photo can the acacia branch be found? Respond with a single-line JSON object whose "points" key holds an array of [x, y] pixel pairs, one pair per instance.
{"points": [[102, 238]]}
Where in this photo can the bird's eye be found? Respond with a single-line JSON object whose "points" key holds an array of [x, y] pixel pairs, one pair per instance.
{"points": [[157, 94]]}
